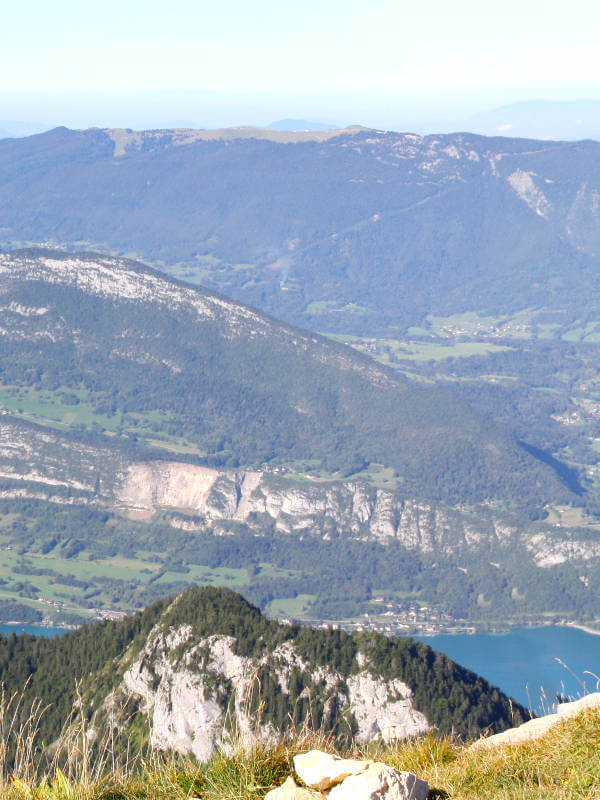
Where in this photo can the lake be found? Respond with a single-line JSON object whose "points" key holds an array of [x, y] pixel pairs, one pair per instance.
{"points": [[526, 662], [34, 630]]}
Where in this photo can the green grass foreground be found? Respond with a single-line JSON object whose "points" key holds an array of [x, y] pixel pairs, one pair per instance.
{"points": [[562, 765]]}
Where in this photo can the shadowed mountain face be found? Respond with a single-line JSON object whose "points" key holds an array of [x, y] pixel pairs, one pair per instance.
{"points": [[353, 230], [239, 388]]}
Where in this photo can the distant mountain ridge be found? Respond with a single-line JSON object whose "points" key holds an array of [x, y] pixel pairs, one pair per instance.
{"points": [[353, 230], [572, 120]]}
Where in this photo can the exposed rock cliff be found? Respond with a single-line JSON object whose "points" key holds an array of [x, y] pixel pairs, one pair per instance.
{"points": [[197, 498], [197, 692], [352, 507], [43, 464]]}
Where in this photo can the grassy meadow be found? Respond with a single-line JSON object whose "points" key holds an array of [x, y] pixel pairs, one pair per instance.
{"points": [[564, 764]]}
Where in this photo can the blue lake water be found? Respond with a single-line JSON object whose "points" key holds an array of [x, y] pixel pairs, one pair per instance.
{"points": [[526, 662], [34, 630]]}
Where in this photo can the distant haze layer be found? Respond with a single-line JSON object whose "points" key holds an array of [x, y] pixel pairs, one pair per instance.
{"points": [[26, 113]]}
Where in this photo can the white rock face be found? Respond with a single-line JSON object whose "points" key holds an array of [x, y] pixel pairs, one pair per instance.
{"points": [[163, 484], [237, 495], [538, 727], [381, 782], [321, 770], [524, 185], [378, 712], [186, 713], [548, 551], [356, 508], [188, 686]]}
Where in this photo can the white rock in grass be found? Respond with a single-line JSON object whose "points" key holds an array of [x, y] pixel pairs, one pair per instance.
{"points": [[380, 782], [289, 790], [322, 770], [534, 728]]}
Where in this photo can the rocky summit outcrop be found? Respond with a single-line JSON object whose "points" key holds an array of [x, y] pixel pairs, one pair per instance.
{"points": [[199, 693], [535, 728], [329, 776], [207, 670]]}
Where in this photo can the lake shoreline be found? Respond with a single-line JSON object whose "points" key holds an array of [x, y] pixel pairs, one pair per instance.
{"points": [[580, 627]]}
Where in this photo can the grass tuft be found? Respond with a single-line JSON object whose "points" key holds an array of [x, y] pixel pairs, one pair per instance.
{"points": [[564, 764]]}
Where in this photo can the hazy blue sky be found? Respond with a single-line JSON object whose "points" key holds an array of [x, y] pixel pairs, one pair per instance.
{"points": [[468, 53]]}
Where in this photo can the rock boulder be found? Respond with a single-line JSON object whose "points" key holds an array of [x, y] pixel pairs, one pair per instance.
{"points": [[289, 790], [323, 770], [381, 782]]}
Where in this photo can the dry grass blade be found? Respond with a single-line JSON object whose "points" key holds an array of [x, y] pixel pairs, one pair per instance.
{"points": [[564, 764]]}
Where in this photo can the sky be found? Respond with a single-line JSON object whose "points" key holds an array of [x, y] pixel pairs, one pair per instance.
{"points": [[344, 57]]}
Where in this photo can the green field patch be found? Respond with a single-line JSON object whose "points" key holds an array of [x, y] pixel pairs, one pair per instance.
{"points": [[521, 325], [85, 570], [425, 351], [202, 270], [48, 408], [42, 589], [306, 471], [220, 576], [569, 517], [415, 330], [271, 571], [174, 446], [468, 323], [574, 335], [52, 410], [392, 352], [319, 307], [197, 275], [294, 607], [241, 267], [121, 562], [380, 476], [547, 330]]}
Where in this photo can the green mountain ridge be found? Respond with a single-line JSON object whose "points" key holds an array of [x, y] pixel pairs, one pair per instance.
{"points": [[188, 668], [239, 387]]}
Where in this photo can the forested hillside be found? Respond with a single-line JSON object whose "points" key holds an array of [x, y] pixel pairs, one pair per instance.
{"points": [[141, 416], [223, 383], [115, 656], [360, 232]]}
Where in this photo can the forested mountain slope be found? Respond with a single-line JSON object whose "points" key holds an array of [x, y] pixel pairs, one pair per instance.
{"points": [[229, 386], [208, 663], [355, 231], [141, 416]]}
